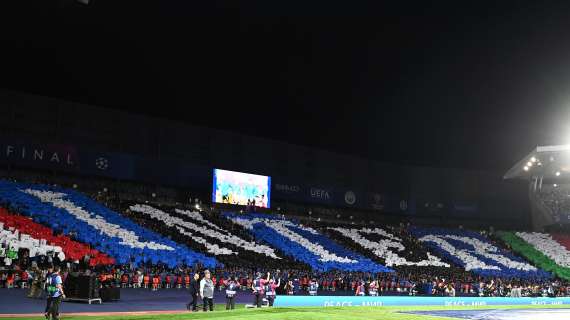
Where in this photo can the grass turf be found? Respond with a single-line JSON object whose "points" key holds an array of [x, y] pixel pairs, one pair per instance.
{"points": [[294, 313]]}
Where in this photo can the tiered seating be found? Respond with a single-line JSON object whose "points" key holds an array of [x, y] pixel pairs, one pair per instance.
{"points": [[11, 241], [476, 253], [197, 233], [40, 240], [563, 239], [555, 199], [304, 243], [392, 250], [209, 235], [547, 245], [541, 249], [104, 229], [173, 236]]}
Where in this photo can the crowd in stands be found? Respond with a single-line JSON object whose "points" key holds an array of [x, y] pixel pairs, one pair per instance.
{"points": [[393, 246], [398, 259], [94, 224], [299, 282], [37, 241], [209, 232], [304, 243], [557, 199], [475, 252]]}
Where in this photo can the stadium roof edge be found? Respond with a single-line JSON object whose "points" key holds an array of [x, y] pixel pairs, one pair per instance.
{"points": [[559, 148], [544, 157]]}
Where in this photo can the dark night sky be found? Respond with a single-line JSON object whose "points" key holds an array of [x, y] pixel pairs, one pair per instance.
{"points": [[440, 83]]}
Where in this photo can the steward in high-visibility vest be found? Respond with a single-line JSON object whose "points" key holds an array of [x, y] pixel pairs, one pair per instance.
{"points": [[313, 287], [155, 282], [258, 287], [146, 280], [231, 290]]}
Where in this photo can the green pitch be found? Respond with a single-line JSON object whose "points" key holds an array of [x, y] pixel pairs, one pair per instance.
{"points": [[294, 313]]}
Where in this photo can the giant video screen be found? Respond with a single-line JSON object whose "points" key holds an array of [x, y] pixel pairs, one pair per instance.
{"points": [[241, 188]]}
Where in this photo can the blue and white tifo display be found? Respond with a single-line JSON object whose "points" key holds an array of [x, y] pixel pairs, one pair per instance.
{"points": [[304, 243], [476, 253], [241, 188]]}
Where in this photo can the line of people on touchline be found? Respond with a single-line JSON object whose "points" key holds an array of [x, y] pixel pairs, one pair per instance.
{"points": [[201, 289], [262, 288]]}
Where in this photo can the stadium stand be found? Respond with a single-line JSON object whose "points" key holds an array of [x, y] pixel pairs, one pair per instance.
{"points": [[563, 239], [13, 242], [40, 240], [391, 249], [476, 253], [395, 247], [305, 244], [546, 244], [228, 242], [543, 250], [398, 259], [556, 199], [104, 229]]}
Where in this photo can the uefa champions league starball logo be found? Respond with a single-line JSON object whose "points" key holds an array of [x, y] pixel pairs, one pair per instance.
{"points": [[377, 201], [349, 197], [102, 163], [403, 205], [377, 198]]}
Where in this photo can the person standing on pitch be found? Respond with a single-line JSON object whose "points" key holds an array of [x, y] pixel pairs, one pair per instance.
{"points": [[361, 289], [290, 288], [55, 291], [194, 291], [258, 286], [373, 288], [313, 287], [231, 287], [270, 290], [207, 291], [49, 298]]}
